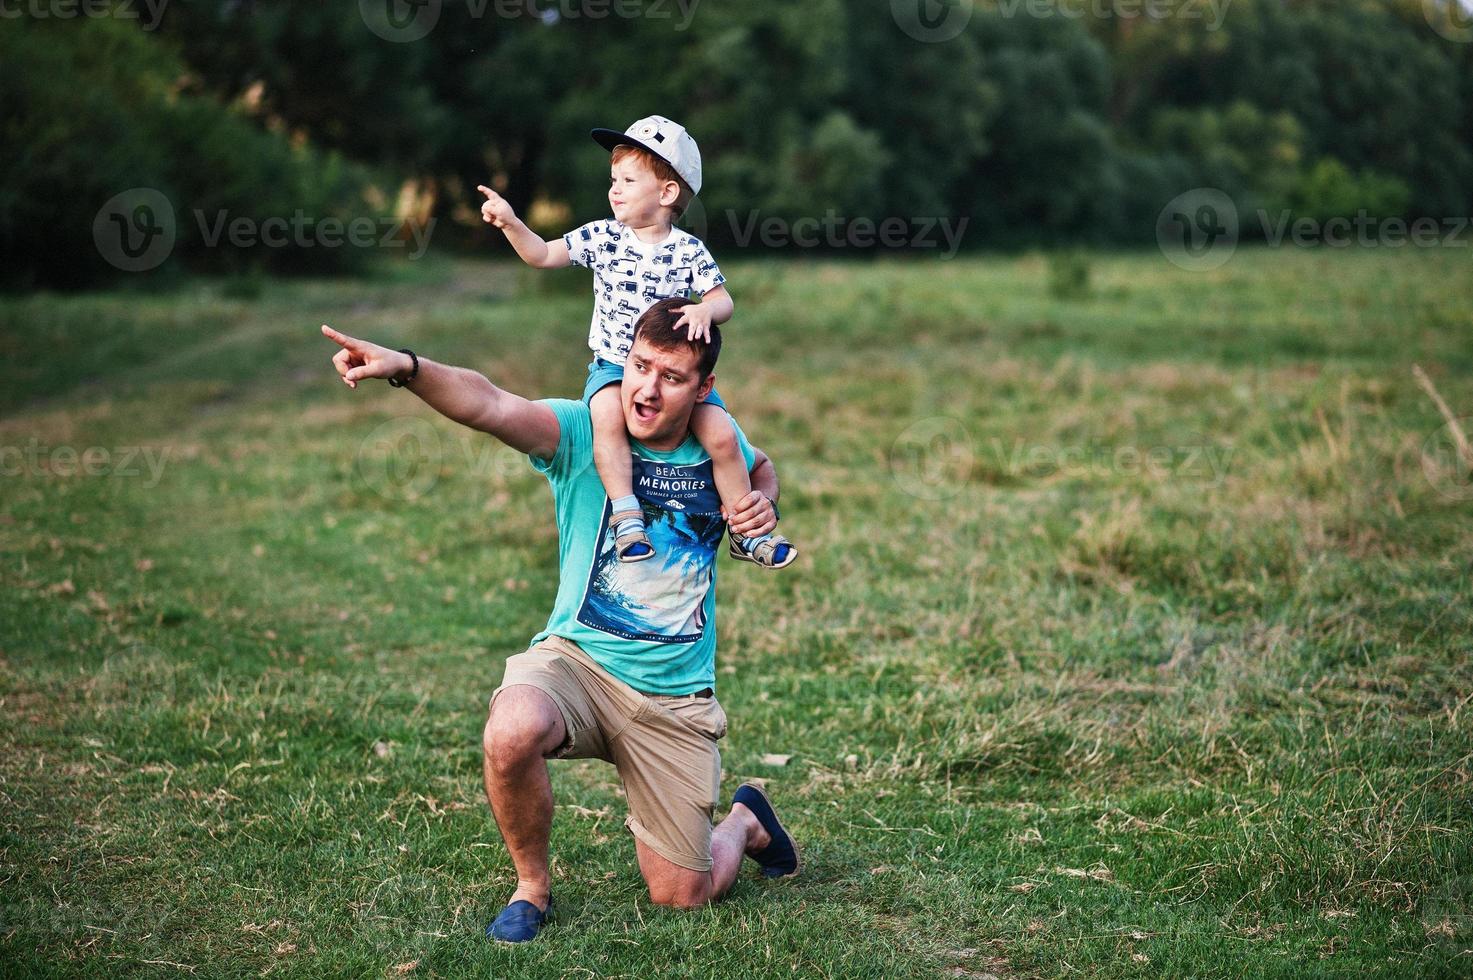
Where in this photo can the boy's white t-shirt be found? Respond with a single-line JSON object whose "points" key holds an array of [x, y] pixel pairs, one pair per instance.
{"points": [[630, 276]]}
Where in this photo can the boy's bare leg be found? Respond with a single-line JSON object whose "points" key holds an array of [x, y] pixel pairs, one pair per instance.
{"points": [[611, 443], [712, 426], [616, 470]]}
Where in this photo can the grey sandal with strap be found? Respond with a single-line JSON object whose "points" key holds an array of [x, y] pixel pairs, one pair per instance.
{"points": [[776, 552], [634, 545]]}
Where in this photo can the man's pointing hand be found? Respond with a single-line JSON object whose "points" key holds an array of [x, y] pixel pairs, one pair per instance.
{"points": [[359, 360]]}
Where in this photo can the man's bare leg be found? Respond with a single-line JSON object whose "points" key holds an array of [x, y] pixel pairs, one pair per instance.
{"points": [[522, 730], [733, 837]]}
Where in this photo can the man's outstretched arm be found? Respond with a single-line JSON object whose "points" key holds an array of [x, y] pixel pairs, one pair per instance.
{"points": [[459, 394]]}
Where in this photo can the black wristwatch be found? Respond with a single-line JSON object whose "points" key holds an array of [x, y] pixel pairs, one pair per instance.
{"points": [[413, 373]]}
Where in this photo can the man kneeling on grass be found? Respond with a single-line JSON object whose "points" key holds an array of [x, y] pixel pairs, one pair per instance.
{"points": [[625, 669]]}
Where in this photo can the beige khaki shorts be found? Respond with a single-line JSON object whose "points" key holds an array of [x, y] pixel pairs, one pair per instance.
{"points": [[663, 747]]}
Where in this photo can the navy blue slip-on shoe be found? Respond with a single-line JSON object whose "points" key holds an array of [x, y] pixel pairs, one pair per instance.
{"points": [[779, 859], [519, 922]]}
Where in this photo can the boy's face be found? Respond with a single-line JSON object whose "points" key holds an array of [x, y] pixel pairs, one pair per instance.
{"points": [[659, 392], [636, 195]]}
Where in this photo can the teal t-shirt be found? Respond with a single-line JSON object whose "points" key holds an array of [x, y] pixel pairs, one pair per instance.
{"points": [[652, 624]]}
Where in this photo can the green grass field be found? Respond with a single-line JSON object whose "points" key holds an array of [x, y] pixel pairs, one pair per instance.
{"points": [[1131, 636]]}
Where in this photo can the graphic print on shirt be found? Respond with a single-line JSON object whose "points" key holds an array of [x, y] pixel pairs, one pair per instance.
{"points": [[662, 600], [630, 276]]}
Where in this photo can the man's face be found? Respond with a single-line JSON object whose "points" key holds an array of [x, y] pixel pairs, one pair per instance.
{"points": [[660, 390], [636, 194]]}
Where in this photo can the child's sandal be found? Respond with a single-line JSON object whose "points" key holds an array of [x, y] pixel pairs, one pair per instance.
{"points": [[631, 546], [765, 554]]}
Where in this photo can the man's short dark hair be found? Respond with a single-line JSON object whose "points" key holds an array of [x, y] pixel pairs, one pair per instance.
{"points": [[657, 327]]}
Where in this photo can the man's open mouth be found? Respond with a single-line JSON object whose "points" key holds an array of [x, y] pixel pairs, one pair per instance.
{"points": [[644, 412]]}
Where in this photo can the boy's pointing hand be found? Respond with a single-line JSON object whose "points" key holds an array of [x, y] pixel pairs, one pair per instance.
{"points": [[495, 210]]}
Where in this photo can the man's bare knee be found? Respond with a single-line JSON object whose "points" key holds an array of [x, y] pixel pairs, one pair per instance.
{"points": [[523, 725], [689, 893]]}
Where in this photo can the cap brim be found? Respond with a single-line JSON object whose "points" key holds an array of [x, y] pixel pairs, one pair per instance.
{"points": [[610, 138]]}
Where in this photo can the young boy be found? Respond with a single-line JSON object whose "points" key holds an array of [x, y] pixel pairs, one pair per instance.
{"points": [[638, 259]]}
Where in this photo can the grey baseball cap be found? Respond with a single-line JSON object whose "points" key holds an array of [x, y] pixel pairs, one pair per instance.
{"points": [[663, 137]]}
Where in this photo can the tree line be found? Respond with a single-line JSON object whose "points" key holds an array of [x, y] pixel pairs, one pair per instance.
{"points": [[1039, 122]]}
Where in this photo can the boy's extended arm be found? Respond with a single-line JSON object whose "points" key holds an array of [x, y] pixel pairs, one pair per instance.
{"points": [[532, 248], [459, 394]]}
